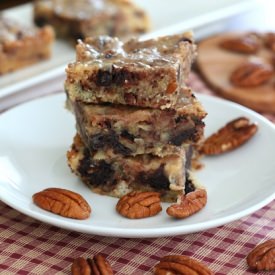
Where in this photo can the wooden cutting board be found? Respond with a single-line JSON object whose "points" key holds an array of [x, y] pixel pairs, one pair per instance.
{"points": [[216, 65]]}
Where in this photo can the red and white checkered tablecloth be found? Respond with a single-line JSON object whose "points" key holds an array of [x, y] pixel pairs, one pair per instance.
{"points": [[28, 246]]}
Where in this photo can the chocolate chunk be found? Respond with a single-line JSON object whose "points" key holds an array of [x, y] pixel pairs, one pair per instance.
{"points": [[115, 76], [123, 76], [40, 21], [189, 186], [98, 174], [104, 78], [102, 174], [189, 134], [100, 141], [126, 134], [180, 119], [121, 149], [156, 179], [85, 163]]}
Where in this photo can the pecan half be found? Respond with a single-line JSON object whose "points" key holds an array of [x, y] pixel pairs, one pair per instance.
{"points": [[188, 204], [231, 136], [63, 202], [247, 44], [262, 257], [80, 267], [136, 205], [269, 40], [251, 74], [98, 265], [179, 264]]}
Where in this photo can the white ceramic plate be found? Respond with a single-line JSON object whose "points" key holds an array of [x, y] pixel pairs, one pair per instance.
{"points": [[35, 137], [167, 17]]}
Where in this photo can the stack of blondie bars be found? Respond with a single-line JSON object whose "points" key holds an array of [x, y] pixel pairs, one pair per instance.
{"points": [[137, 120]]}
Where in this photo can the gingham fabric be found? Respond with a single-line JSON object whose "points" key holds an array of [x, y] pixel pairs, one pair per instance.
{"points": [[28, 246]]}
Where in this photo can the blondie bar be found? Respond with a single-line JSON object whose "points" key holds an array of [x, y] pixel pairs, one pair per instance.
{"points": [[21, 46], [149, 73], [134, 131], [79, 19], [113, 174]]}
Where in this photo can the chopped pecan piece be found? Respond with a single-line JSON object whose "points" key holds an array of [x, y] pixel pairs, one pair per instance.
{"points": [[171, 88], [231, 136], [63, 202], [98, 265], [262, 257], [188, 204], [136, 205], [179, 264], [251, 74], [247, 44]]}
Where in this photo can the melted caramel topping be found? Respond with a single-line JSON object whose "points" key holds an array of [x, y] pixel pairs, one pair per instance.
{"points": [[107, 51]]}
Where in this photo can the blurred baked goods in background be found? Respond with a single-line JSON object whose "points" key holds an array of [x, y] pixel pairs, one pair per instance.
{"points": [[21, 46], [83, 18], [240, 66]]}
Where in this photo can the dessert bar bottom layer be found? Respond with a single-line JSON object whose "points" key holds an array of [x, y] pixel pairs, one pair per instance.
{"points": [[115, 175]]}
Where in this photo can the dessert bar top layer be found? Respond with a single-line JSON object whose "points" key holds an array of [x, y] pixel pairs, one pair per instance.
{"points": [[104, 51], [150, 73]]}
